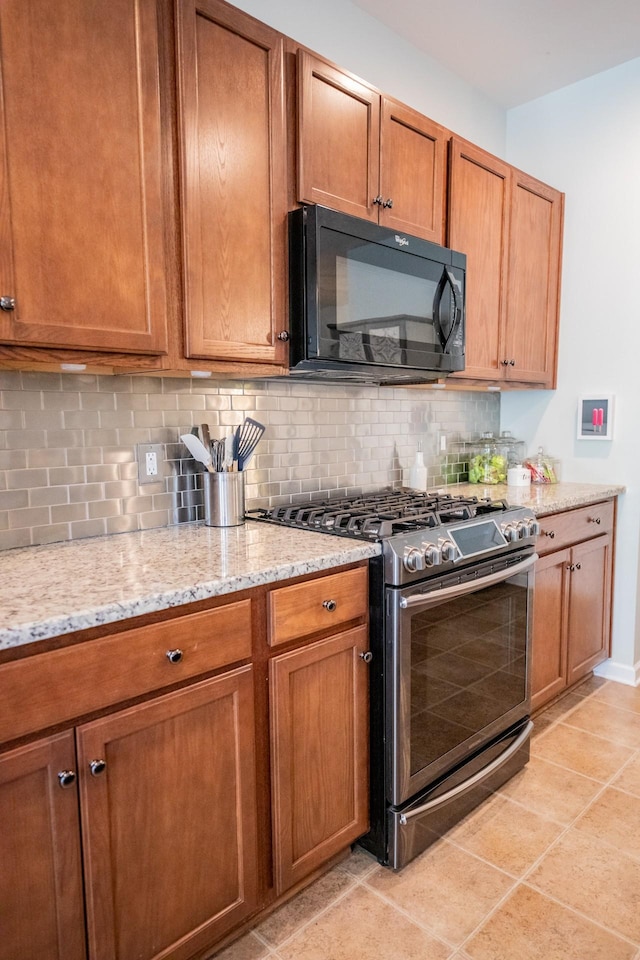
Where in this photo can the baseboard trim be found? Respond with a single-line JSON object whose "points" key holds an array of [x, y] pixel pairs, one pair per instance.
{"points": [[620, 672]]}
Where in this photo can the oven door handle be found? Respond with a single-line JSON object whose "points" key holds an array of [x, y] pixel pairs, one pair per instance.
{"points": [[472, 781], [459, 590]]}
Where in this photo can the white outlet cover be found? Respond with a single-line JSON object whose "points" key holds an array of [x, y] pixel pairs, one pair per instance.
{"points": [[149, 455]]}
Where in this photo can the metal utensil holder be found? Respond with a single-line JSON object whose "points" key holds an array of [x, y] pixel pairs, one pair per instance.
{"points": [[224, 499]]}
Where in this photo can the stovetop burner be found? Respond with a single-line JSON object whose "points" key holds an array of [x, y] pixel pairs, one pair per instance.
{"points": [[378, 516]]}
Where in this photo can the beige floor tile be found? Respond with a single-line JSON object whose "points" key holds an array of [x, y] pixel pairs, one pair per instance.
{"points": [[590, 685], [605, 720], [614, 818], [363, 927], [246, 948], [581, 751], [359, 863], [629, 778], [306, 905], [551, 791], [557, 711], [446, 889], [619, 695], [507, 835], [590, 876], [529, 926]]}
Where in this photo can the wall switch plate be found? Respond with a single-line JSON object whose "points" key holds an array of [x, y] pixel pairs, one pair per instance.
{"points": [[150, 458]]}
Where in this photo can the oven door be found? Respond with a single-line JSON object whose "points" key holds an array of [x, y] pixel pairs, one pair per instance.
{"points": [[457, 668]]}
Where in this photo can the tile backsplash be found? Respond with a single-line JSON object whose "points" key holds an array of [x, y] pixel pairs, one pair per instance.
{"points": [[68, 466]]}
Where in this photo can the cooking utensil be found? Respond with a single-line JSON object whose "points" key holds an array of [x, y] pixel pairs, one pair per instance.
{"points": [[229, 452], [206, 436], [246, 440], [198, 450]]}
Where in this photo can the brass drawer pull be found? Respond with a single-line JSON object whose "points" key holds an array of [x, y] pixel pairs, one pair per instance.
{"points": [[330, 605], [174, 656]]}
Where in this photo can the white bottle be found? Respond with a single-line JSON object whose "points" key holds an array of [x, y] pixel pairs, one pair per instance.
{"points": [[418, 471]]}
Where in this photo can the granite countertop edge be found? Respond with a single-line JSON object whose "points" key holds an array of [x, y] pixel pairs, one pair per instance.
{"points": [[56, 589], [220, 564]]}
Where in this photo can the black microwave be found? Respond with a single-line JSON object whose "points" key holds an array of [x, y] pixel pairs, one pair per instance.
{"points": [[370, 305]]}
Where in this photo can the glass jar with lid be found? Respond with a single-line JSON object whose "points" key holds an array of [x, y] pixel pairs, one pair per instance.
{"points": [[487, 460], [514, 450]]}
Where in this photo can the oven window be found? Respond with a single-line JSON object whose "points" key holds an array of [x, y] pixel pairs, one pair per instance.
{"points": [[468, 667]]}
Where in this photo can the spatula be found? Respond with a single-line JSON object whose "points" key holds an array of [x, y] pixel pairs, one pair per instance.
{"points": [[247, 438], [197, 450]]}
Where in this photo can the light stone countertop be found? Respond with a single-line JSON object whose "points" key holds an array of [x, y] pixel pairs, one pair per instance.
{"points": [[51, 590], [47, 591], [541, 498]]}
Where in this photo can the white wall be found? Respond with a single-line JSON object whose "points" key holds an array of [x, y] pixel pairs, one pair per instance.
{"points": [[585, 140], [341, 32]]}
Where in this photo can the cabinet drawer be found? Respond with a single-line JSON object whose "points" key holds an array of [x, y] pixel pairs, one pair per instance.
{"points": [[561, 529], [51, 688], [326, 603]]}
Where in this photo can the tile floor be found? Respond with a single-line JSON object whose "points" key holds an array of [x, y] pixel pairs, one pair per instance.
{"points": [[547, 869]]}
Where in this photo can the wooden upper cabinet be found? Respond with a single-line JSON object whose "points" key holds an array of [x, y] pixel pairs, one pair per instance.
{"points": [[82, 258], [232, 146], [367, 155], [479, 195], [412, 171], [510, 227], [533, 288], [338, 139]]}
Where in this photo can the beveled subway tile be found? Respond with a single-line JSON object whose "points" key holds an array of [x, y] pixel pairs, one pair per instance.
{"points": [[590, 876], [463, 887], [551, 791], [581, 751], [605, 720], [611, 818], [363, 926], [530, 926], [509, 836]]}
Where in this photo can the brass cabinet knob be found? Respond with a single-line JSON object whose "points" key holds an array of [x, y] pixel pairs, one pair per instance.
{"points": [[330, 605], [174, 656], [66, 778]]}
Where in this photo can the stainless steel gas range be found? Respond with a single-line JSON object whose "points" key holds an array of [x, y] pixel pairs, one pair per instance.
{"points": [[450, 607]]}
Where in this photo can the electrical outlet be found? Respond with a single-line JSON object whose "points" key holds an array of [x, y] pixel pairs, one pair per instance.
{"points": [[150, 457]]}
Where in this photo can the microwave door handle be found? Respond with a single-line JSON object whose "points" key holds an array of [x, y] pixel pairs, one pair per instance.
{"points": [[447, 279], [435, 597]]}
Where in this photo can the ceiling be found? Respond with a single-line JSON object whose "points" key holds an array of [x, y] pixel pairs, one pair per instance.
{"points": [[517, 50]]}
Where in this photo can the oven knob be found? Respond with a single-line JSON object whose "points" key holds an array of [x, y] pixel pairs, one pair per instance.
{"points": [[534, 527], [449, 550], [432, 555], [413, 559], [510, 532]]}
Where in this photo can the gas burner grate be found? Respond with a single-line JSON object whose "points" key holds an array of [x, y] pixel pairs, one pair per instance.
{"points": [[378, 516]]}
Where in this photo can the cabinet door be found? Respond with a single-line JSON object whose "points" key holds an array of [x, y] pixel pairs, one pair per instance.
{"points": [[479, 226], [412, 172], [338, 139], [549, 639], [533, 280], [319, 746], [230, 70], [169, 826], [81, 175], [41, 910], [589, 606]]}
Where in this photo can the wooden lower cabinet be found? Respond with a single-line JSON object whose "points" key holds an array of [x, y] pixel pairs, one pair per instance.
{"points": [[169, 821], [319, 737], [167, 814], [41, 908], [571, 606]]}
